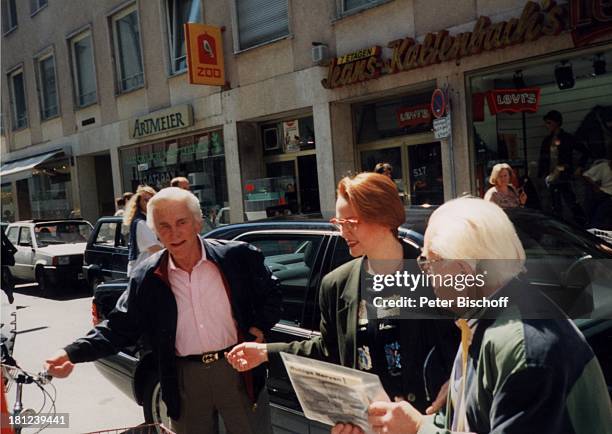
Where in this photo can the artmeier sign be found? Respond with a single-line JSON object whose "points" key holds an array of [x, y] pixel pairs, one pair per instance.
{"points": [[406, 54], [162, 121]]}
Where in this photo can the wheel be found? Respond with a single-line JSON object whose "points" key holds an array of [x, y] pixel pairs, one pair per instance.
{"points": [[41, 279], [154, 409]]}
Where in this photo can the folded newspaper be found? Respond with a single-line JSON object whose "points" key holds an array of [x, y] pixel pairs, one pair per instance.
{"points": [[331, 393]]}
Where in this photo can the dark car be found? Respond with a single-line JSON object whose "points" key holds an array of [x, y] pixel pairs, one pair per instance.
{"points": [[301, 252], [106, 253]]}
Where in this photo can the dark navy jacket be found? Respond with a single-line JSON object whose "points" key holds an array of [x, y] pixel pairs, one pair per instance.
{"points": [[148, 309]]}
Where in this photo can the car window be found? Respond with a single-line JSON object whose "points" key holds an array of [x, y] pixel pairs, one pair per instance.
{"points": [[106, 234], [67, 232], [25, 237], [341, 254], [13, 234], [291, 259]]}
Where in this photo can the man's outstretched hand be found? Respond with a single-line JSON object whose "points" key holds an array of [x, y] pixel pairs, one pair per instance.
{"points": [[59, 365], [247, 355]]}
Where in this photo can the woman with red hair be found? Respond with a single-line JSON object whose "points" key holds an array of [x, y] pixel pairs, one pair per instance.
{"points": [[354, 333]]}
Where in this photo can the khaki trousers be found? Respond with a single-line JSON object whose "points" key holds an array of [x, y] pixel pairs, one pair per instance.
{"points": [[208, 389]]}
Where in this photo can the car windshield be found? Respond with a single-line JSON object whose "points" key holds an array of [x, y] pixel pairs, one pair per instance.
{"points": [[61, 233]]}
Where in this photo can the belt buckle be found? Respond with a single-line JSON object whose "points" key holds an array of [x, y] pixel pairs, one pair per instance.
{"points": [[209, 358]]}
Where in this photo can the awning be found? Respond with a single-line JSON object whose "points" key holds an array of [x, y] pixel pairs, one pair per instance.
{"points": [[24, 164]]}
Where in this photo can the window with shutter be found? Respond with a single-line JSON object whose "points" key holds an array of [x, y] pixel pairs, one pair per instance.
{"points": [[261, 21]]}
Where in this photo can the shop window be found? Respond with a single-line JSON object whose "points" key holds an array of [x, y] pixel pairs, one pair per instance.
{"points": [[81, 47], [48, 87], [261, 21], [18, 98], [508, 127], [9, 16], [288, 136], [392, 118], [36, 5], [180, 12], [50, 190], [128, 53], [8, 204], [199, 158]]}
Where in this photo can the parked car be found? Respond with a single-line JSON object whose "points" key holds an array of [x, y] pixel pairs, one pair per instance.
{"points": [[106, 253], [49, 252], [301, 252]]}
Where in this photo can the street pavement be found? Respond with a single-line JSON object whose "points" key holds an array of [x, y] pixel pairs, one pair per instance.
{"points": [[48, 323]]}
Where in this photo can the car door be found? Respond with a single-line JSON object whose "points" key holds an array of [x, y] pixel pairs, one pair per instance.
{"points": [[100, 252], [24, 257], [295, 259], [120, 254], [12, 234]]}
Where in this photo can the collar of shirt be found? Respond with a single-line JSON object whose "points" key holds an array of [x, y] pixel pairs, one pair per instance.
{"points": [[172, 266]]}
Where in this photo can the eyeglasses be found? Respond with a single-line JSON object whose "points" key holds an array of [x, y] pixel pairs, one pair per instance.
{"points": [[350, 224], [425, 264]]}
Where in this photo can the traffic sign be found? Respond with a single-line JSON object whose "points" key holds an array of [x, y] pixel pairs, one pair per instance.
{"points": [[438, 103], [442, 128]]}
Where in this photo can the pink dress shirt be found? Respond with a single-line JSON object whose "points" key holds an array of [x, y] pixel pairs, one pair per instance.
{"points": [[205, 321]]}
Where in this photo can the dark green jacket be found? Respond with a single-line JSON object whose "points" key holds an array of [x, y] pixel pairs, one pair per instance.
{"points": [[339, 302], [530, 375]]}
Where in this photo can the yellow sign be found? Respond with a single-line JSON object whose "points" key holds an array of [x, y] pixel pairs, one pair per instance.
{"points": [[204, 54]]}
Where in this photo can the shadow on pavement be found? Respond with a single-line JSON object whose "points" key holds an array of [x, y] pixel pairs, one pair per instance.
{"points": [[69, 292]]}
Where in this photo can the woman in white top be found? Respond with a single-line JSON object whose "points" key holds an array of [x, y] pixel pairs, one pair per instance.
{"points": [[503, 192], [143, 242]]}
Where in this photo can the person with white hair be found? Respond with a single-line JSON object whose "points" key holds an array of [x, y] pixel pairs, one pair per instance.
{"points": [[513, 372], [192, 301]]}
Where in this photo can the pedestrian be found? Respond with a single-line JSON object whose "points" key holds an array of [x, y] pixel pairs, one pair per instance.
{"points": [[143, 242], [7, 260], [119, 206], [513, 372], [503, 193], [191, 302], [180, 182], [353, 332], [556, 166], [384, 169]]}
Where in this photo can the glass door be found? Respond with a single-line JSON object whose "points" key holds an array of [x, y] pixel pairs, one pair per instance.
{"points": [[393, 156], [425, 172]]}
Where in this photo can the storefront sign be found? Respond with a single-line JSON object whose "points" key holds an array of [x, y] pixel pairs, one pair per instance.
{"points": [[407, 54], [413, 116], [161, 121], [514, 100], [205, 54], [442, 128], [291, 134], [590, 19]]}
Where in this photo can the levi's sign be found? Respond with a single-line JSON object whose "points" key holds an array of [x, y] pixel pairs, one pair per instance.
{"points": [[406, 54], [514, 100], [161, 121]]}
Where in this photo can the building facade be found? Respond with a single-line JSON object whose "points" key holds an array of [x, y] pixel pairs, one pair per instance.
{"points": [[97, 98]]}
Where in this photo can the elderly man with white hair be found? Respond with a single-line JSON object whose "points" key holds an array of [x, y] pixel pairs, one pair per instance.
{"points": [[513, 372], [191, 301]]}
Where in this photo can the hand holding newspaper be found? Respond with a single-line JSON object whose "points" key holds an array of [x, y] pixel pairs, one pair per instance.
{"points": [[331, 393]]}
